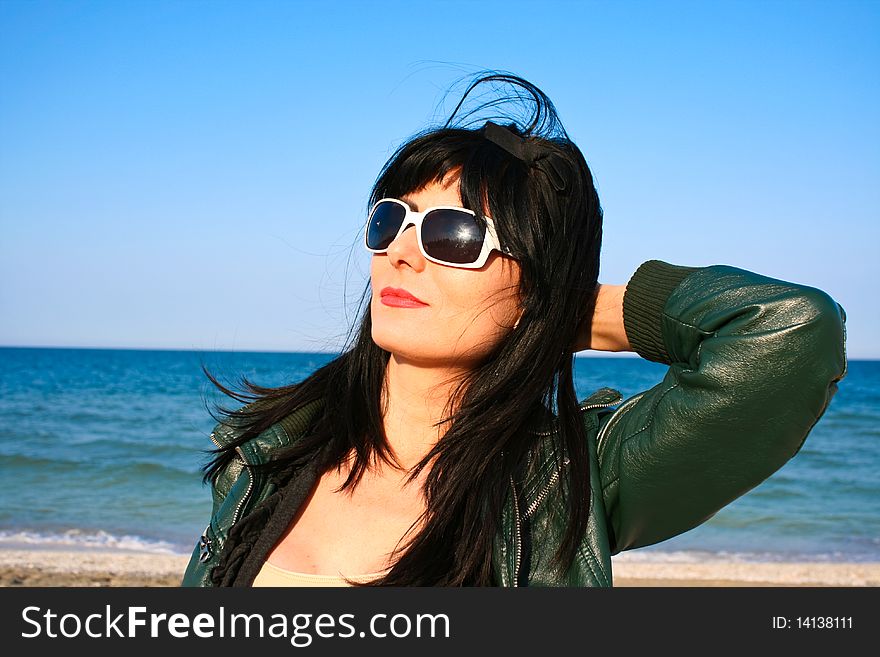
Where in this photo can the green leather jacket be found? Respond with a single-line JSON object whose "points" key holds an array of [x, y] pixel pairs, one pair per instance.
{"points": [[753, 364]]}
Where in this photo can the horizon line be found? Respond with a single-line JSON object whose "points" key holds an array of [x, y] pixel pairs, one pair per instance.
{"points": [[588, 353]]}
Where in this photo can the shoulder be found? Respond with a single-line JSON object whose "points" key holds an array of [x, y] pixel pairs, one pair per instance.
{"points": [[600, 404], [258, 449], [600, 399], [546, 423]]}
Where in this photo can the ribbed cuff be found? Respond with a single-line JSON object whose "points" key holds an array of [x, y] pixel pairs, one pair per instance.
{"points": [[643, 303]]}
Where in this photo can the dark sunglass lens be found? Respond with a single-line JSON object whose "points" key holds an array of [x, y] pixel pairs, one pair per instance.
{"points": [[384, 224], [453, 236]]}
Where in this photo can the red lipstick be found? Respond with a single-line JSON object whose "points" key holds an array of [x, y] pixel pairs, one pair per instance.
{"points": [[400, 298]]}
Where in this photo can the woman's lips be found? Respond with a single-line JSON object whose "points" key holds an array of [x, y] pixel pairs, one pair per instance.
{"points": [[400, 298]]}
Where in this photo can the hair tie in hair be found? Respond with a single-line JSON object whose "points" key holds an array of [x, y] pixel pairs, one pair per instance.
{"points": [[549, 163], [556, 169], [509, 141]]}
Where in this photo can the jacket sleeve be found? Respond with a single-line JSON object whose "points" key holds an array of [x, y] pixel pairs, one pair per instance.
{"points": [[753, 363]]}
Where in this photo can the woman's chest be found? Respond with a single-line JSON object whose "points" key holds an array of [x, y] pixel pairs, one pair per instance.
{"points": [[350, 531]]}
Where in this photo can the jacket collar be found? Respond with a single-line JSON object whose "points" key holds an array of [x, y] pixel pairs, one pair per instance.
{"points": [[290, 429]]}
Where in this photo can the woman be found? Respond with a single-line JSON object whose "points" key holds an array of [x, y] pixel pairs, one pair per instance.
{"points": [[446, 445]]}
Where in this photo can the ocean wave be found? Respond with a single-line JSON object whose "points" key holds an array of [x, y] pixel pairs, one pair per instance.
{"points": [[124, 465], [79, 539]]}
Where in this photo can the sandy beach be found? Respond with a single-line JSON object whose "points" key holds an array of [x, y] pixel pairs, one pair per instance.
{"points": [[97, 568]]}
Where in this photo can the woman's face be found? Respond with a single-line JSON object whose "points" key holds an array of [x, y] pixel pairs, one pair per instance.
{"points": [[464, 313]]}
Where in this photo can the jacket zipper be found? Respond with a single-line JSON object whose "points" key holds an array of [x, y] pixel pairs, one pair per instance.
{"points": [[613, 420], [518, 554], [546, 490], [537, 501], [204, 541], [247, 492], [205, 546]]}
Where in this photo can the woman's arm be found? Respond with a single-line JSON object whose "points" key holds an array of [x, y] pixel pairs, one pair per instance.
{"points": [[606, 331], [754, 362]]}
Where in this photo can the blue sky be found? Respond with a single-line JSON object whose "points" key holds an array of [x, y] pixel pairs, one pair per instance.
{"points": [[194, 174]]}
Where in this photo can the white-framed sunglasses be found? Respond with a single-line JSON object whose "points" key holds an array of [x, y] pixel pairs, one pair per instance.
{"points": [[446, 235]]}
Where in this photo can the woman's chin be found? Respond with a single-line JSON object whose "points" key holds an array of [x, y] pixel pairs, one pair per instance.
{"points": [[405, 347], [426, 352]]}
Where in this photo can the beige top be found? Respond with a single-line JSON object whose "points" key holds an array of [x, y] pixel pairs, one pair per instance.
{"points": [[271, 575]]}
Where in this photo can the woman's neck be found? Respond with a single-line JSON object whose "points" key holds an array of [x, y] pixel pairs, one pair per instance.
{"points": [[416, 399]]}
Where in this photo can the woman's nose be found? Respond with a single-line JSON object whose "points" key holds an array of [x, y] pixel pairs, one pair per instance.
{"points": [[404, 250]]}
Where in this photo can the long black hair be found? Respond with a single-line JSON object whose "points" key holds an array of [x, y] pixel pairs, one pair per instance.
{"points": [[546, 210]]}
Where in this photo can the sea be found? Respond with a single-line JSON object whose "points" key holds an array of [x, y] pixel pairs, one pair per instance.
{"points": [[102, 449]]}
